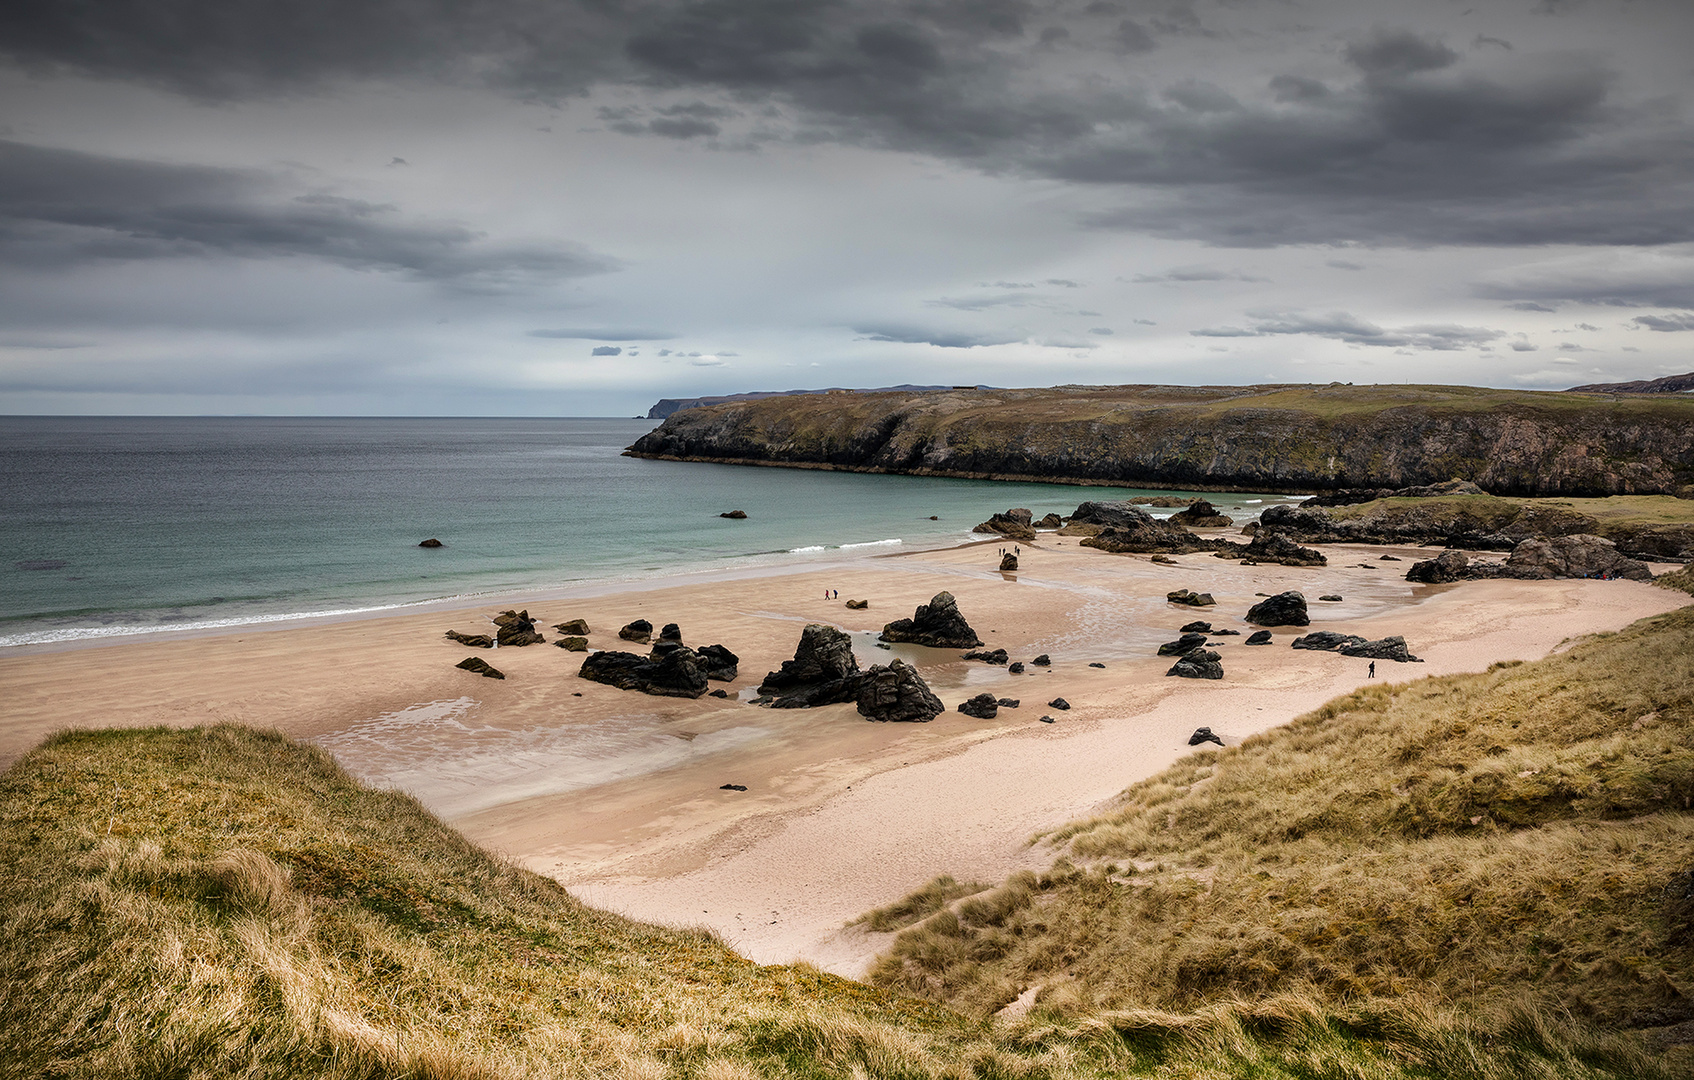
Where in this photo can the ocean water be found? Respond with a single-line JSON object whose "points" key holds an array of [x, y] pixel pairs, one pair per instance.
{"points": [[126, 525]]}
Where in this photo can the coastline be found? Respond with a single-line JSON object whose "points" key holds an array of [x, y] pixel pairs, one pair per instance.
{"points": [[617, 794]]}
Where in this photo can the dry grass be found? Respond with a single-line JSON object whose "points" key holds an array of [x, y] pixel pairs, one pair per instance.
{"points": [[1681, 580], [1498, 842], [918, 904]]}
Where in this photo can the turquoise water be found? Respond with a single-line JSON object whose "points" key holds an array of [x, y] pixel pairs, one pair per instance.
{"points": [[122, 525]]}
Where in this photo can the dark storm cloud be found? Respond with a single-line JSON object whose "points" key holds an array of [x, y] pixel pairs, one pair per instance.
{"points": [[1670, 286], [1342, 326], [61, 207], [943, 339], [605, 334]]}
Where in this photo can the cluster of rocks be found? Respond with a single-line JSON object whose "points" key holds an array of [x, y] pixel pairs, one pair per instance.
{"points": [[1201, 515], [1354, 496], [1577, 556], [1190, 598], [1388, 648], [937, 623], [825, 672], [987, 656], [515, 628], [1200, 663], [1130, 529], [986, 706], [1270, 546], [1014, 524], [671, 669]]}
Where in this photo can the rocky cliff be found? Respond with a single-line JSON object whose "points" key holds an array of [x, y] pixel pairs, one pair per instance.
{"points": [[1242, 438]]}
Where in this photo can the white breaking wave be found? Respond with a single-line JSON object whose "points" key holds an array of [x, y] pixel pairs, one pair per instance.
{"points": [[81, 633], [873, 543], [807, 550]]}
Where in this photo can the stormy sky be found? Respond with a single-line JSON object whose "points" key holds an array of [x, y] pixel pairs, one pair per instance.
{"points": [[575, 207]]}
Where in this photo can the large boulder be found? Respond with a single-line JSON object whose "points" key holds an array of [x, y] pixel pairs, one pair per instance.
{"points": [[1008, 563], [670, 632], [1283, 609], [1182, 645], [1326, 640], [937, 623], [1201, 515], [1091, 517], [671, 670], [1447, 567], [1580, 555], [824, 655], [640, 631], [897, 692], [982, 706], [1258, 637], [719, 663], [1389, 648], [515, 628], [1013, 525], [1198, 664]]}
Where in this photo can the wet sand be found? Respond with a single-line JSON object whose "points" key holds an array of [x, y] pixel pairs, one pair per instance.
{"points": [[618, 794]]}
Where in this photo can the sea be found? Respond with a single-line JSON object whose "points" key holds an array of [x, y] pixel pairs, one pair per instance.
{"points": [[118, 526]]}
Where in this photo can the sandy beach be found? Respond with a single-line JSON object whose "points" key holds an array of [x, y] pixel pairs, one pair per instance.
{"points": [[618, 794]]}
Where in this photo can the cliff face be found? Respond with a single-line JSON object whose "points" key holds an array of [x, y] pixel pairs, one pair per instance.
{"points": [[1254, 438]]}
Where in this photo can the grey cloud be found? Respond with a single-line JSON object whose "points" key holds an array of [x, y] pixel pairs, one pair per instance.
{"points": [[1543, 289], [606, 350], [1104, 331], [1571, 346], [1342, 326], [1676, 321], [1064, 283], [1586, 326], [980, 303], [944, 339], [1530, 305], [1389, 53], [1146, 322], [1131, 37], [1523, 346], [1193, 273], [605, 334], [1343, 264], [61, 207]]}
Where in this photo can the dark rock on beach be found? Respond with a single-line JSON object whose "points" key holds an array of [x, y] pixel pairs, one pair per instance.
{"points": [[1581, 555], [672, 670], [858, 605], [718, 693], [1389, 648], [573, 644], [640, 631], [995, 656], [1042, 661], [516, 628], [1192, 599], [1013, 525], [1009, 703], [1203, 735], [1449, 566], [1283, 609], [1059, 703], [481, 667], [982, 706], [1198, 664], [718, 663], [824, 655], [579, 627], [1226, 633], [1325, 640], [897, 693], [1269, 546], [1258, 637], [1201, 515], [1332, 597], [475, 641], [670, 632], [1008, 563], [1051, 521], [1197, 627], [1015, 667], [937, 623], [1144, 534], [1181, 645]]}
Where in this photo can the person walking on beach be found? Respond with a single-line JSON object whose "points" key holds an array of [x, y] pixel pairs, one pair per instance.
{"points": [[1373, 669]]}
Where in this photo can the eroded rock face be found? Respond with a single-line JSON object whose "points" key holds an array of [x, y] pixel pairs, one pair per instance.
{"points": [[982, 706], [937, 623], [515, 629], [671, 670], [1283, 609], [1182, 645], [1198, 664], [896, 692], [1014, 524], [824, 655], [1201, 515]]}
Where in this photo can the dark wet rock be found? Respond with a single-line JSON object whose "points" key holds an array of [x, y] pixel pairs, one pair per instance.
{"points": [[1325, 640], [858, 605], [1042, 661], [1449, 566], [1097, 664], [1181, 645], [475, 641], [481, 667], [882, 645], [1197, 627], [815, 695], [1201, 515], [1283, 609], [1015, 667], [937, 623], [1144, 535], [1258, 637], [1389, 648], [670, 632], [1199, 664], [1051, 521], [1009, 703], [1164, 560], [1203, 735], [1331, 597], [640, 631], [671, 670], [1059, 703], [579, 627], [1013, 525], [718, 693], [432, 542], [994, 656], [732, 787], [734, 515], [1008, 563], [1048, 720], [1226, 633], [897, 693], [824, 655], [573, 644], [1270, 546], [1191, 599], [1388, 558], [982, 706], [515, 629], [718, 663]]}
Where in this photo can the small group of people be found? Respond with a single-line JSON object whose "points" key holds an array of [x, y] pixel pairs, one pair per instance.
{"points": [[831, 594], [1016, 551]]}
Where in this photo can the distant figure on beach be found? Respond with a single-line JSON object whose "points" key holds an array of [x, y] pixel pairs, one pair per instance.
{"points": [[1373, 669]]}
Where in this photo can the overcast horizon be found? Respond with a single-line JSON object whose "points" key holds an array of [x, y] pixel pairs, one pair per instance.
{"points": [[498, 207]]}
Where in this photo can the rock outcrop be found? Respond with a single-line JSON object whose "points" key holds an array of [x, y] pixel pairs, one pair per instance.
{"points": [[1203, 735], [1051, 521], [1198, 664], [515, 629], [1536, 559], [1258, 637], [1229, 438], [670, 632], [896, 692], [1201, 515], [1271, 546], [640, 631], [1445, 568], [1389, 648], [572, 643], [432, 542], [824, 655], [1013, 525], [1133, 530], [982, 706], [1326, 640], [1189, 598], [672, 670], [719, 663], [1283, 609], [937, 623]]}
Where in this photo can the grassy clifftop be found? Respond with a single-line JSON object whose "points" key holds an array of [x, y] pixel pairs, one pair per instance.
{"points": [[1290, 438]]}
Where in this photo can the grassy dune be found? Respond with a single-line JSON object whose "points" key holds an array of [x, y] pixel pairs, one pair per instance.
{"points": [[1499, 842], [1459, 877]]}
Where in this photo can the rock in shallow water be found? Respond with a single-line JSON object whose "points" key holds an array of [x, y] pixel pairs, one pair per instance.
{"points": [[1283, 609]]}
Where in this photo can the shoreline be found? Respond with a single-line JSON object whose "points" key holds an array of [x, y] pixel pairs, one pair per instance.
{"points": [[618, 794]]}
